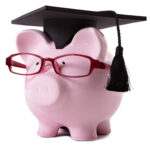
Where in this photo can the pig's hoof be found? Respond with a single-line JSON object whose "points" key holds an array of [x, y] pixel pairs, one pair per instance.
{"points": [[45, 131], [83, 134], [104, 128]]}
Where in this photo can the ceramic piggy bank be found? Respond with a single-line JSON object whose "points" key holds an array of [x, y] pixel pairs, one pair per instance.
{"points": [[82, 104], [72, 82]]}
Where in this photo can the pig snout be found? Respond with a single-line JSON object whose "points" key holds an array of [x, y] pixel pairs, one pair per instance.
{"points": [[42, 89]]}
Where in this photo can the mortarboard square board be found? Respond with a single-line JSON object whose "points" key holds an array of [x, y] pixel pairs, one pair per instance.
{"points": [[61, 24]]}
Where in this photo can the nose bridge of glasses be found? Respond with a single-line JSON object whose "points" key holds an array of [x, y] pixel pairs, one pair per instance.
{"points": [[48, 64], [49, 59]]}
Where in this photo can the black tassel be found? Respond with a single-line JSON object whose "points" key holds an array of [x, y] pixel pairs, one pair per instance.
{"points": [[118, 79]]}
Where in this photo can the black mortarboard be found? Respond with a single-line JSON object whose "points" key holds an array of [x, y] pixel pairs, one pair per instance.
{"points": [[61, 24]]}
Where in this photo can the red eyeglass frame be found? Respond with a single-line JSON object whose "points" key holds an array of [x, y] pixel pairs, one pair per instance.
{"points": [[95, 64]]}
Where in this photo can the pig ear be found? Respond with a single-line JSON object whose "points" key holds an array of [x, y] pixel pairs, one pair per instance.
{"points": [[31, 40], [91, 42]]}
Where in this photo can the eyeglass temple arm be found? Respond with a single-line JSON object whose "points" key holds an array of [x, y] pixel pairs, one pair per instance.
{"points": [[10, 62], [100, 65]]}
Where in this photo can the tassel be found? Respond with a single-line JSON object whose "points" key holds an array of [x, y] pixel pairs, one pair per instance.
{"points": [[118, 79]]}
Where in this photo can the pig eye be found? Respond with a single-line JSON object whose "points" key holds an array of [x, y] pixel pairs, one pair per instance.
{"points": [[63, 62], [37, 63]]}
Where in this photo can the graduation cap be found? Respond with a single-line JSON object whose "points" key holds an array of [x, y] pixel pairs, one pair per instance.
{"points": [[61, 24]]}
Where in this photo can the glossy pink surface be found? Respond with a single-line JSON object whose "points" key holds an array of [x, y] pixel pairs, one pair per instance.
{"points": [[83, 105]]}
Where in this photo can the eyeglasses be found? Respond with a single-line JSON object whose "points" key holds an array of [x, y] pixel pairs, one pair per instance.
{"points": [[70, 65]]}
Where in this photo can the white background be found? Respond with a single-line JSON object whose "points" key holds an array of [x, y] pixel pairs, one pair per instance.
{"points": [[131, 123]]}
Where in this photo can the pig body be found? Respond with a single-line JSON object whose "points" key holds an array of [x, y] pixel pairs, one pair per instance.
{"points": [[83, 105]]}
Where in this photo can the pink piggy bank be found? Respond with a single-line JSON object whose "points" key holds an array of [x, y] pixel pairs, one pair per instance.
{"points": [[82, 105]]}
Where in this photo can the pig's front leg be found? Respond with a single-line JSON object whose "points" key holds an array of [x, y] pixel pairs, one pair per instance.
{"points": [[48, 130], [104, 128], [83, 133]]}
